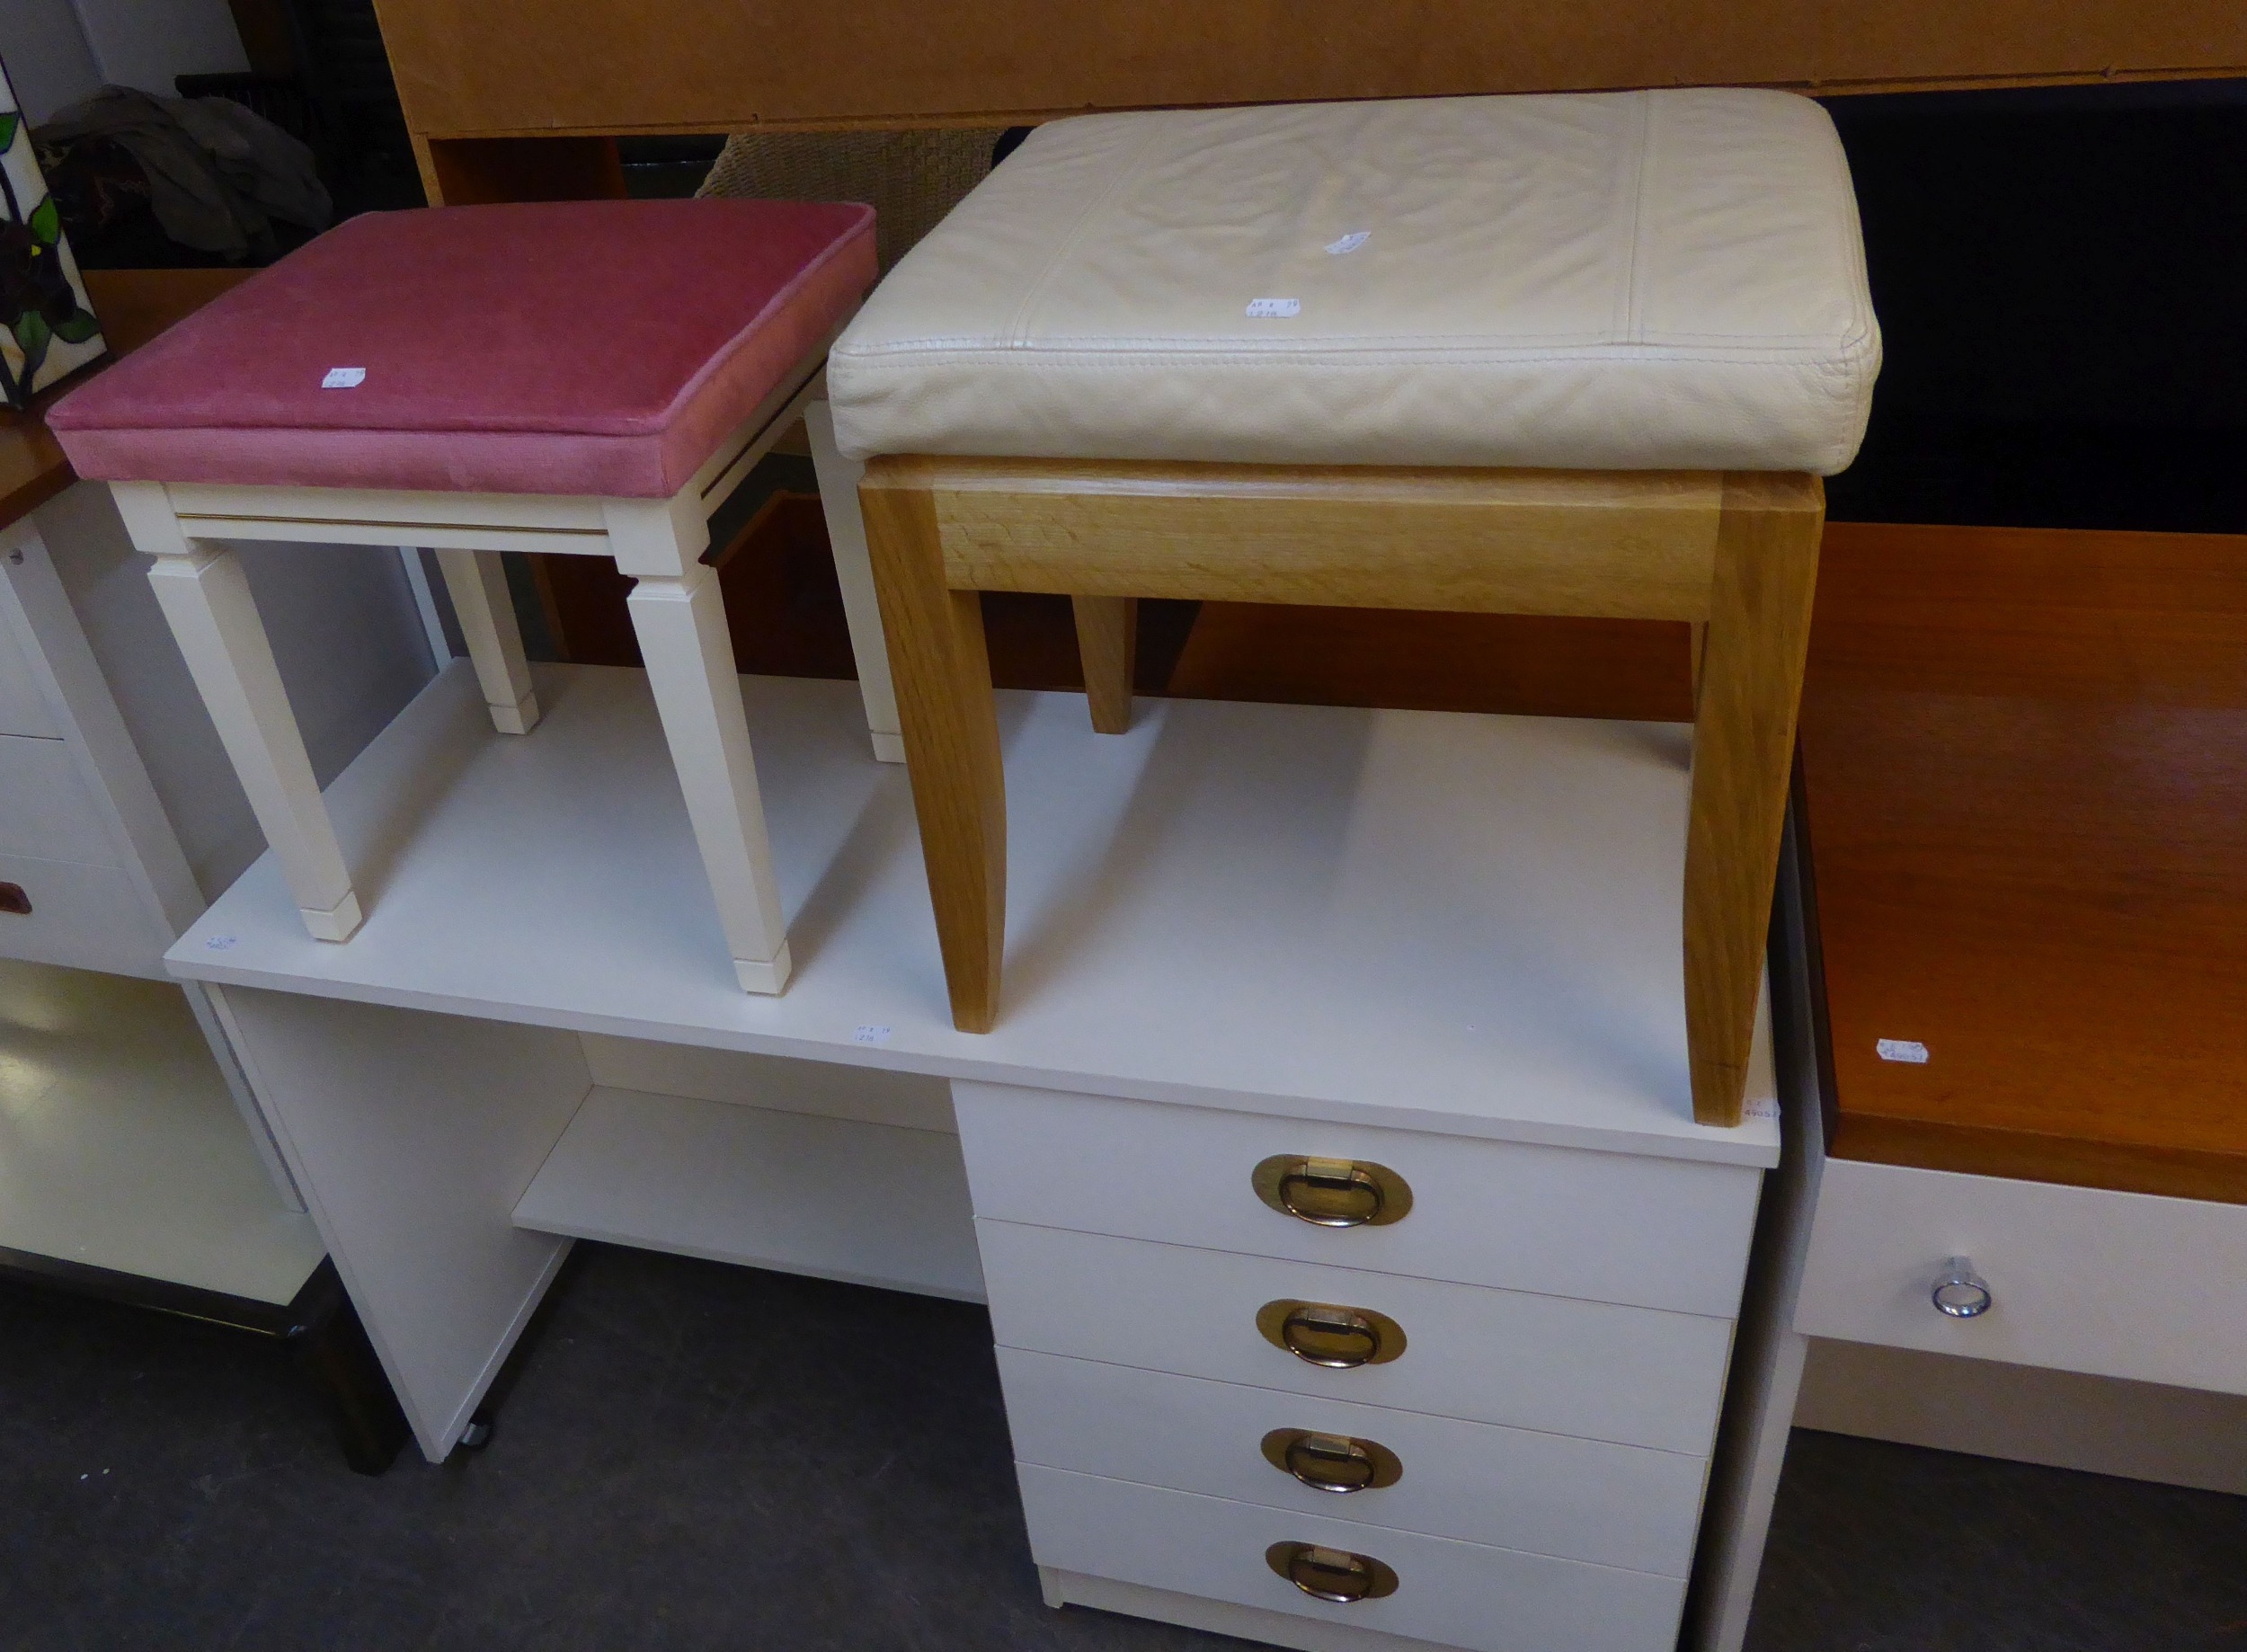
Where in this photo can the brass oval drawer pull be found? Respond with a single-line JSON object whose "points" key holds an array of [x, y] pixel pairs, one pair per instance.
{"points": [[1327, 1334], [1331, 1574], [1332, 1461], [1332, 1193]]}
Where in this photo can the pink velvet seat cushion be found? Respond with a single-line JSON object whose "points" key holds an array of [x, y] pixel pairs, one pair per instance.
{"points": [[601, 347]]}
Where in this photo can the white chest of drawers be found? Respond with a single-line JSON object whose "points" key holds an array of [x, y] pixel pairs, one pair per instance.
{"points": [[1565, 1319]]}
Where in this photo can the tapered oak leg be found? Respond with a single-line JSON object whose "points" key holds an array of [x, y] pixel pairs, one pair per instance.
{"points": [[476, 581], [942, 670], [862, 611], [680, 622], [1107, 633], [1744, 736]]}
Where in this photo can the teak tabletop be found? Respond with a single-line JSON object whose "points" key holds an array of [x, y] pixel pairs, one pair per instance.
{"points": [[2027, 814]]}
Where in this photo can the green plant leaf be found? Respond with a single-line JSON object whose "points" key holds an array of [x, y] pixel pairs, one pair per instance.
{"points": [[7, 131], [79, 328], [32, 333], [46, 222]]}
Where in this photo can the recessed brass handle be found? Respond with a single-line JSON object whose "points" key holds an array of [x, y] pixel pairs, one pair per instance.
{"points": [[1330, 1335], [1331, 1574], [1332, 1193], [1332, 1461], [13, 900]]}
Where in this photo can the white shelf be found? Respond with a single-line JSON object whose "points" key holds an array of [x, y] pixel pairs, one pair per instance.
{"points": [[839, 1198], [121, 1146], [1464, 924]]}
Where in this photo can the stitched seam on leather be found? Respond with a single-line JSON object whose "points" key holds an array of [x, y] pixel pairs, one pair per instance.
{"points": [[1436, 343], [1634, 355], [1018, 332], [1862, 341], [1631, 318]]}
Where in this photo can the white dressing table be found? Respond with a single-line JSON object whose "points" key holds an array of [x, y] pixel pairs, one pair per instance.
{"points": [[1440, 945]]}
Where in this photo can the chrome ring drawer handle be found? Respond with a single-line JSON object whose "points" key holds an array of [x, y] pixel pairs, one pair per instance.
{"points": [[1960, 1292], [1332, 1461], [1330, 1335], [1331, 1574], [1332, 1193]]}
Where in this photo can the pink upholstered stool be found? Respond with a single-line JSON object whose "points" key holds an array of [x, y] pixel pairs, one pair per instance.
{"points": [[588, 376]]}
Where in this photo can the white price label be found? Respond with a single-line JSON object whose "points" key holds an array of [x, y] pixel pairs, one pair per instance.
{"points": [[1350, 243], [870, 1036], [1901, 1050], [1265, 309], [344, 378]]}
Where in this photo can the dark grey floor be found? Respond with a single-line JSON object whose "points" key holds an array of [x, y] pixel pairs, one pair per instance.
{"points": [[695, 1456]]}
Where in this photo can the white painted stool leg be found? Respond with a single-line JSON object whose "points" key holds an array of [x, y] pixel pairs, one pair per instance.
{"points": [[477, 584], [847, 533], [206, 596], [680, 620]]}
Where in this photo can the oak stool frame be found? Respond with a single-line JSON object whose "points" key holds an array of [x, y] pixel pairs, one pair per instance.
{"points": [[1733, 553]]}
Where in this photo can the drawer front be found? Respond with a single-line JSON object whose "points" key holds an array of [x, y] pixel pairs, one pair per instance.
{"points": [[1634, 1375], [2118, 1284], [88, 918], [1512, 1488], [46, 812], [1453, 1593], [23, 710], [1610, 1226]]}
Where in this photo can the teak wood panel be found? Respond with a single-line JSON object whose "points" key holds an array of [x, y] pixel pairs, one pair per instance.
{"points": [[2026, 762], [553, 67]]}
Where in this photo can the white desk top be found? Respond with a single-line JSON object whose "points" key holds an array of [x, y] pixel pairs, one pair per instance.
{"points": [[1418, 920]]}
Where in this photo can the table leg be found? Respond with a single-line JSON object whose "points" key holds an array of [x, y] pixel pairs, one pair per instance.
{"points": [[205, 595], [680, 620], [334, 1353], [477, 584], [951, 723], [1107, 635], [1744, 740], [838, 479]]}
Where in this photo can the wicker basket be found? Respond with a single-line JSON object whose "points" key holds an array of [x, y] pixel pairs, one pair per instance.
{"points": [[911, 179]]}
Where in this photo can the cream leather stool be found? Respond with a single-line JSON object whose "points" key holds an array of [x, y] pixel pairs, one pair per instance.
{"points": [[1551, 355], [588, 376]]}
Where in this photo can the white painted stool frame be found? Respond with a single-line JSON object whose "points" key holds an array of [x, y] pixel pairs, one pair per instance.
{"points": [[676, 607]]}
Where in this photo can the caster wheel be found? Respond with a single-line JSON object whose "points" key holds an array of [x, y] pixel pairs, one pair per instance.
{"points": [[476, 1435]]}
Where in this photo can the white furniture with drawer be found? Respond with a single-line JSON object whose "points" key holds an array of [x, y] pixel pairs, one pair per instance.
{"points": [[1343, 941], [1539, 1415], [118, 816], [2077, 1328], [2115, 1285]]}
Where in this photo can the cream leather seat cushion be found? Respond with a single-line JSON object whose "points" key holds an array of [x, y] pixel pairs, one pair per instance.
{"points": [[1618, 280]]}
